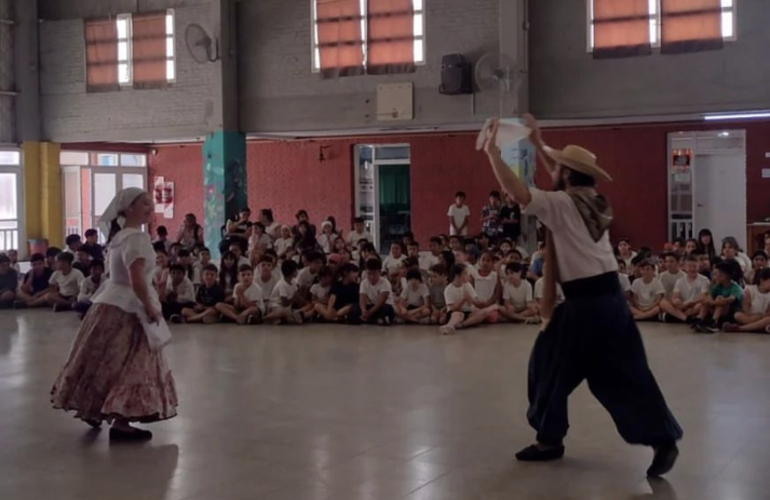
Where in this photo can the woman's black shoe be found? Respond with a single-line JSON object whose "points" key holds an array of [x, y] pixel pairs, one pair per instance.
{"points": [[133, 435], [664, 460], [533, 453]]}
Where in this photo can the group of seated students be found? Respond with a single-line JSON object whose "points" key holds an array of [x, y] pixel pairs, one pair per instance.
{"points": [[277, 274], [691, 283], [64, 280]]}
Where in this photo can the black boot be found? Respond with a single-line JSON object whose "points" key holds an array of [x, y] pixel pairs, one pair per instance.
{"points": [[535, 453], [664, 459]]}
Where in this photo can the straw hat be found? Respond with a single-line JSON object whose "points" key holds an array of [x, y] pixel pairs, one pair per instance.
{"points": [[578, 159]]}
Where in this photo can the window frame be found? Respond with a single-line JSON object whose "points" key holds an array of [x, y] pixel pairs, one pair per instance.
{"points": [[655, 20], [315, 54]]}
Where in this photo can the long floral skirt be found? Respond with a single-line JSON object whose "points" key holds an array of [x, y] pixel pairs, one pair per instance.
{"points": [[112, 372]]}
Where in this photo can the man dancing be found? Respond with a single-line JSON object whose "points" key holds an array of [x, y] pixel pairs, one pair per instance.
{"points": [[592, 335]]}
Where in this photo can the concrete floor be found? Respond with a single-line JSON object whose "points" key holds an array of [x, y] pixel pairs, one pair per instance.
{"points": [[321, 412]]}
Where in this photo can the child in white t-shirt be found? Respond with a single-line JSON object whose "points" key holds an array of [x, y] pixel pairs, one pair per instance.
{"points": [[375, 297], [413, 306], [285, 243], [358, 233], [264, 276], [286, 299], [487, 284], [647, 292], [307, 276], [204, 259], [463, 304], [755, 314], [671, 275], [459, 214], [248, 303], [392, 263], [327, 237], [518, 300], [319, 292], [65, 283], [89, 287], [688, 295]]}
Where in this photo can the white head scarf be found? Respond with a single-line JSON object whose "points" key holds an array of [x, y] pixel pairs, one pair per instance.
{"points": [[117, 207]]}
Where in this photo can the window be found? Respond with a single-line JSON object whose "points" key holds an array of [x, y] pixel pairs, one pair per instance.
{"points": [[614, 24], [124, 49], [352, 37], [131, 51], [11, 213]]}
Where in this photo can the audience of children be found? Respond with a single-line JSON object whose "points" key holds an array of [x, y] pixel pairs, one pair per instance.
{"points": [[293, 275]]}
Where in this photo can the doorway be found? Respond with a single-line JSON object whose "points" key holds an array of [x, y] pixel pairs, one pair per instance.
{"points": [[11, 212], [383, 191], [91, 180], [707, 184]]}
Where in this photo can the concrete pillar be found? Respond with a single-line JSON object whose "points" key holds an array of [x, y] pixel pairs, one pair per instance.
{"points": [[224, 183], [42, 192], [224, 150], [27, 71]]}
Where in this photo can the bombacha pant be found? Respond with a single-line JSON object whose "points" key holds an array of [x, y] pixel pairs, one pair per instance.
{"points": [[592, 336]]}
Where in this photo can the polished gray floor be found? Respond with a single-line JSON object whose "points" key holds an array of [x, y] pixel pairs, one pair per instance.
{"points": [[323, 412]]}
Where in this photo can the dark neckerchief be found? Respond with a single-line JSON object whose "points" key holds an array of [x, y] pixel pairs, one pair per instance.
{"points": [[594, 209]]}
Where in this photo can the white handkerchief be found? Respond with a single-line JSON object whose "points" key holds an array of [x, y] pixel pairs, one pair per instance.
{"points": [[158, 334], [507, 133]]}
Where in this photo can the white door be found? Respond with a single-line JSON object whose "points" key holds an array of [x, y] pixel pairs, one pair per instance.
{"points": [[720, 195]]}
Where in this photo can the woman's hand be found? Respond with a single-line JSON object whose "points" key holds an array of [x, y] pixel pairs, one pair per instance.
{"points": [[153, 315], [535, 135]]}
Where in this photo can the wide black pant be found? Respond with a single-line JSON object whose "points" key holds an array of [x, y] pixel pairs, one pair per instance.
{"points": [[593, 336]]}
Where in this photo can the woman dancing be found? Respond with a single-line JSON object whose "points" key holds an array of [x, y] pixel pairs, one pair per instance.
{"points": [[116, 370]]}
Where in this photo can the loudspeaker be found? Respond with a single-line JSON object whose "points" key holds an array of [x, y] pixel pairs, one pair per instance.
{"points": [[455, 75]]}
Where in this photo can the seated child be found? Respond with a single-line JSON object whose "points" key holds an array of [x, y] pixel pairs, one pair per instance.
{"points": [[755, 315], [758, 262], [286, 299], [724, 300], [688, 295], [92, 246], [413, 305], [248, 304], [519, 304], [463, 303], [259, 242], [487, 284], [82, 261], [327, 237], [50, 257], [162, 233], [430, 259], [343, 295], [646, 293], [671, 275], [284, 243], [209, 294], [73, 242], [309, 273], [392, 263], [375, 299], [204, 259], [173, 253], [9, 282], [35, 284], [64, 284], [319, 292], [438, 282], [13, 255], [264, 277], [228, 276], [235, 249], [184, 259], [89, 287], [160, 275], [180, 292], [625, 283]]}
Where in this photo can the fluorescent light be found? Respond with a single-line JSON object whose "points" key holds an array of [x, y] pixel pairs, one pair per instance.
{"points": [[724, 134], [737, 116]]}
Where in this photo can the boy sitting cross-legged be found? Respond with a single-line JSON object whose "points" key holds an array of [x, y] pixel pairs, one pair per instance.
{"points": [[688, 295], [248, 304], [209, 294], [724, 300]]}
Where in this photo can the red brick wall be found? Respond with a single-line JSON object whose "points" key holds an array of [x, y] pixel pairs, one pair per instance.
{"points": [[182, 165], [287, 176]]}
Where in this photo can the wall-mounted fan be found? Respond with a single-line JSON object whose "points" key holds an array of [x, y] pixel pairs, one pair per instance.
{"points": [[498, 71], [201, 46]]}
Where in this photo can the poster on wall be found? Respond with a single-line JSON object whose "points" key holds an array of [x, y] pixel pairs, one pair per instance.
{"points": [[157, 194], [168, 200]]}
